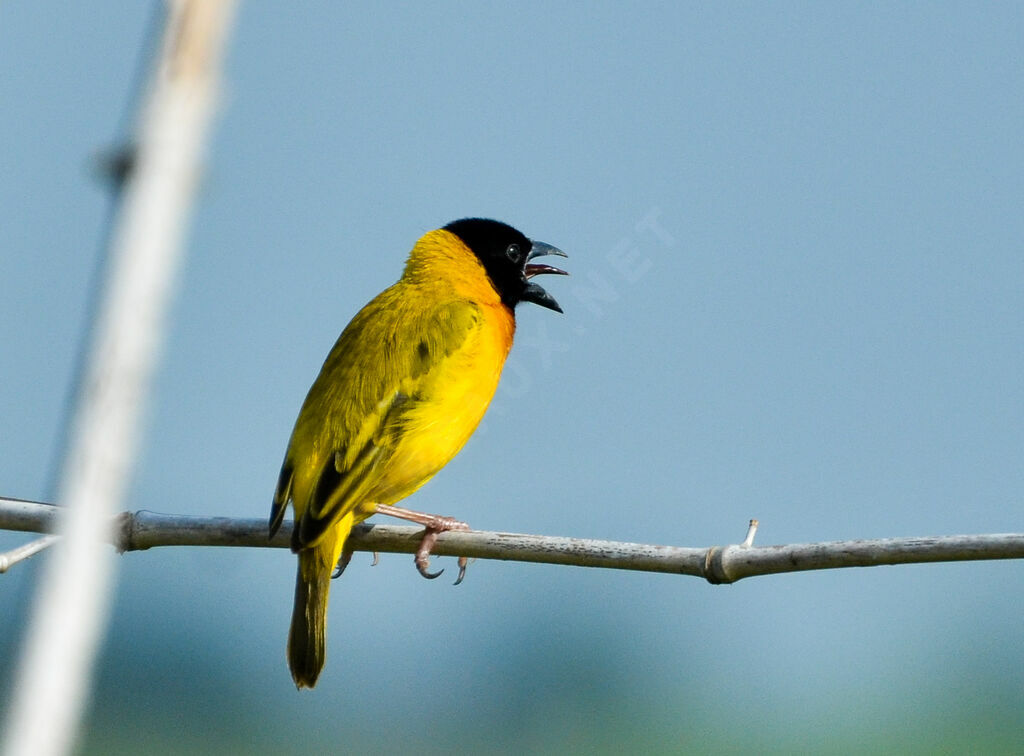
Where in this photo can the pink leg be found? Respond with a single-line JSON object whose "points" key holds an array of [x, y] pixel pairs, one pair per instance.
{"points": [[435, 525]]}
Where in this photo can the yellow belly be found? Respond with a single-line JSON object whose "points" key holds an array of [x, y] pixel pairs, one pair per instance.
{"points": [[448, 411]]}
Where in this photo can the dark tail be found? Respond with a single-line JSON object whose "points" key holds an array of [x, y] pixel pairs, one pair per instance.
{"points": [[307, 638]]}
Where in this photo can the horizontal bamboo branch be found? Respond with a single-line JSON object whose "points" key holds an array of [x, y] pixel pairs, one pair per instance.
{"points": [[717, 564]]}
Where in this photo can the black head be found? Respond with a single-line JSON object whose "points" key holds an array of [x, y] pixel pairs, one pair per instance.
{"points": [[505, 253]]}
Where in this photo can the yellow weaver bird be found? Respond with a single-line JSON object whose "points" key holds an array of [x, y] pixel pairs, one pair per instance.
{"points": [[400, 393]]}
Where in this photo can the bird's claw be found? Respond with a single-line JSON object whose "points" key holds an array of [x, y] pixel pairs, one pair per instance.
{"points": [[423, 554], [376, 559], [462, 570], [422, 567], [343, 560]]}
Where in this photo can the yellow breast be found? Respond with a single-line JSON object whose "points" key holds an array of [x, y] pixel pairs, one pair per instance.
{"points": [[455, 396]]}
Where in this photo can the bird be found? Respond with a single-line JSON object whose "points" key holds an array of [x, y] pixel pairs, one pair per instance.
{"points": [[400, 393]]}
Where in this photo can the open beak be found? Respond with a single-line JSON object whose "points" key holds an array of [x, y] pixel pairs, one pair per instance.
{"points": [[540, 249], [534, 292]]}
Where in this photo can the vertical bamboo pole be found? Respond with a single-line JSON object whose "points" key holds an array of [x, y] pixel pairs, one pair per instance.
{"points": [[70, 610]]}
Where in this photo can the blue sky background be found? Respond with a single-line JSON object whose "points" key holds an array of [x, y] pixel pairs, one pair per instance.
{"points": [[798, 275]]}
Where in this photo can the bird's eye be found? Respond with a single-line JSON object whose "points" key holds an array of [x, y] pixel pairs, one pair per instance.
{"points": [[513, 253]]}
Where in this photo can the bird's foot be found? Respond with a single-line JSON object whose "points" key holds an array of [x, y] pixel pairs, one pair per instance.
{"points": [[427, 544], [435, 525]]}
